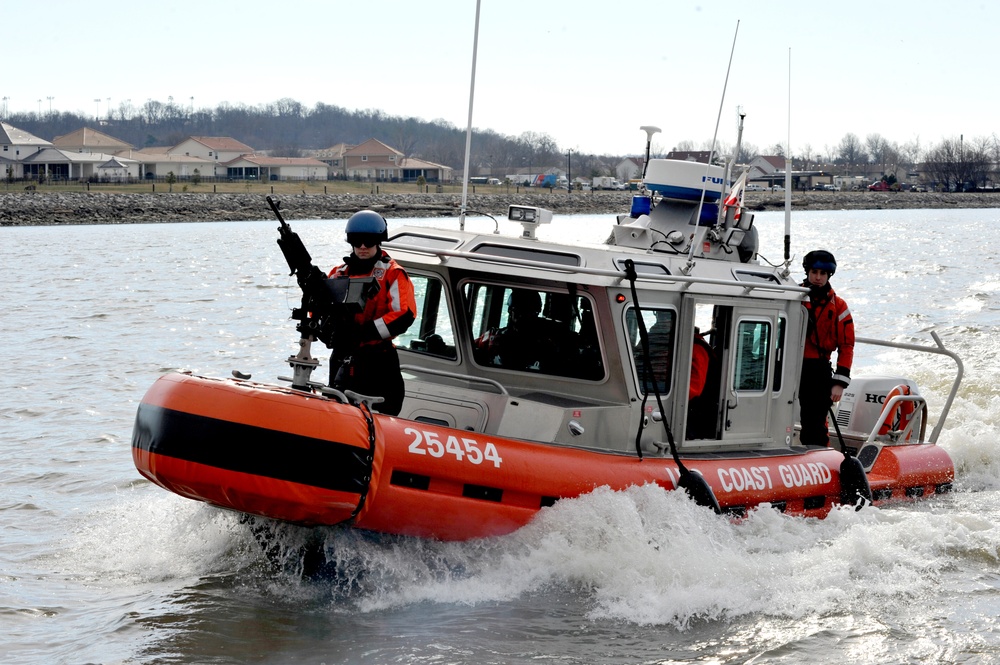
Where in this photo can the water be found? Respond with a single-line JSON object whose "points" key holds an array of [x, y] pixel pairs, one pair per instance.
{"points": [[100, 566]]}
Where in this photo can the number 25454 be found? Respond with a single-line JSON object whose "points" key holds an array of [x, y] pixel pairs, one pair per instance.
{"points": [[429, 443]]}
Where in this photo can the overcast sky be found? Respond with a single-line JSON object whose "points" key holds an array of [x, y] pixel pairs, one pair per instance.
{"points": [[587, 73]]}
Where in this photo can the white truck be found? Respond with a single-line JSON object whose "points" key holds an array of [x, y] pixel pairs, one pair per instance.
{"points": [[606, 182]]}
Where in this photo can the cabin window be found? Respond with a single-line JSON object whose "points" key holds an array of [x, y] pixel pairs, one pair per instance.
{"points": [[779, 354], [753, 346], [660, 326], [531, 330], [432, 332]]}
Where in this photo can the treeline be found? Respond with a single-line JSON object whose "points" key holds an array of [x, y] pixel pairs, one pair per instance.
{"points": [[286, 128]]}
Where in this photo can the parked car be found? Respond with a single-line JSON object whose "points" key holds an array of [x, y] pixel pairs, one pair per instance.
{"points": [[879, 186], [753, 187]]}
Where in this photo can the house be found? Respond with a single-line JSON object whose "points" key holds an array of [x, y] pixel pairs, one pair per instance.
{"points": [[629, 168], [373, 160], [219, 149], [260, 167], [54, 164], [413, 168], [15, 145], [332, 157], [157, 163], [766, 166], [90, 140]]}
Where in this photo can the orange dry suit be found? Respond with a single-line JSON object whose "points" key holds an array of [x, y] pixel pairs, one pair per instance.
{"points": [[830, 328], [373, 366]]}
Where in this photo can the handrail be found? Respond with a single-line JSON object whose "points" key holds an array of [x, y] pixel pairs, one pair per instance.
{"points": [[599, 272], [940, 350], [896, 435], [455, 375]]}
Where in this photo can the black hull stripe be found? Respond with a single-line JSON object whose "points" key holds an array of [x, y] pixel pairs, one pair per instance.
{"points": [[254, 450]]}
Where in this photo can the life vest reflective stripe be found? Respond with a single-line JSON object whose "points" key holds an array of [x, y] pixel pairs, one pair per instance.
{"points": [[895, 418]]}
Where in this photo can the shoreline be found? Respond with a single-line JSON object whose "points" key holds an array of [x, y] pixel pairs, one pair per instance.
{"points": [[62, 208]]}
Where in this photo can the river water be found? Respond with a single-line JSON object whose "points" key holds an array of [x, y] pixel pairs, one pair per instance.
{"points": [[99, 566]]}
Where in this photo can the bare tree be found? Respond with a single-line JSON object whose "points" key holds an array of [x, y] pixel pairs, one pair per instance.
{"points": [[850, 153]]}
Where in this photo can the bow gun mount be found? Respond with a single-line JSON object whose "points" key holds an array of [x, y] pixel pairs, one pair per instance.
{"points": [[328, 303]]}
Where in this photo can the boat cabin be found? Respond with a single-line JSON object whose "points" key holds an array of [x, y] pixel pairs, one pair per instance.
{"points": [[520, 338]]}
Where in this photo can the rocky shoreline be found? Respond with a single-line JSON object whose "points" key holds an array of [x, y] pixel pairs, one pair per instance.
{"points": [[45, 209]]}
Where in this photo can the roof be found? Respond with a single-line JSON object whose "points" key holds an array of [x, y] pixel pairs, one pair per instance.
{"points": [[373, 147], [777, 161], [11, 135], [335, 151], [262, 160], [148, 155], [55, 155], [220, 143], [413, 163], [90, 138], [112, 163]]}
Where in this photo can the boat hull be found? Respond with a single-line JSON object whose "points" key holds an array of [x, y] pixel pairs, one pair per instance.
{"points": [[300, 457]]}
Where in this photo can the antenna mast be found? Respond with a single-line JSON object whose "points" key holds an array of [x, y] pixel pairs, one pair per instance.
{"points": [[468, 129]]}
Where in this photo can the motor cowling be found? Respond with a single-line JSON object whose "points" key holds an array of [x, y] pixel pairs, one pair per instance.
{"points": [[860, 408]]}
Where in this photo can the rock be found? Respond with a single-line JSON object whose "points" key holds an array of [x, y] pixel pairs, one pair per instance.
{"points": [[46, 208]]}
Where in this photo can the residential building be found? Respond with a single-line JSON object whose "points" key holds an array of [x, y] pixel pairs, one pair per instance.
{"points": [[629, 168], [157, 163], [374, 160], [90, 140], [219, 149], [332, 157], [260, 167], [54, 164], [15, 145]]}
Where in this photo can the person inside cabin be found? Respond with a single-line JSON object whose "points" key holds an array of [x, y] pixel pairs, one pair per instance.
{"points": [[661, 344], [830, 328], [364, 358], [524, 343]]}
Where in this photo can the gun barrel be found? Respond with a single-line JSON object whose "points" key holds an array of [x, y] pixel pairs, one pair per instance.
{"points": [[296, 254], [277, 213]]}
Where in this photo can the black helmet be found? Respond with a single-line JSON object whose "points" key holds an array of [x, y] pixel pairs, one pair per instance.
{"points": [[820, 259], [368, 222]]}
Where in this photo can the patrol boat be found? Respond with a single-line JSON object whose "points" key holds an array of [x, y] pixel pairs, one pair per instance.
{"points": [[483, 442]]}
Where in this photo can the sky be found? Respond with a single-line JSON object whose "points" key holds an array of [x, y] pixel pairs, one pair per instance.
{"points": [[586, 73]]}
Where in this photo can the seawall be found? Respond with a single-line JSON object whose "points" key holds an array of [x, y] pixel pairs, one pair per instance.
{"points": [[45, 208]]}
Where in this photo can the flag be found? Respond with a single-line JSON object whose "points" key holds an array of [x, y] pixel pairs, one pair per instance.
{"points": [[735, 198]]}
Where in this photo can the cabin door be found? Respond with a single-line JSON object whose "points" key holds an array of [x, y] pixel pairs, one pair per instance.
{"points": [[748, 398], [736, 404]]}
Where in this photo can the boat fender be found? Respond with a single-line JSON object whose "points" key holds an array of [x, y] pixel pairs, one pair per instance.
{"points": [[854, 488], [896, 417], [698, 489]]}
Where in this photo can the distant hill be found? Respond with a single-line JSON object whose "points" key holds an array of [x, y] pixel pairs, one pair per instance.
{"points": [[286, 128]]}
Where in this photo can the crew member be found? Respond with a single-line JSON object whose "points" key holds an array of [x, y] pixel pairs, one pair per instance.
{"points": [[830, 329], [524, 343], [364, 357]]}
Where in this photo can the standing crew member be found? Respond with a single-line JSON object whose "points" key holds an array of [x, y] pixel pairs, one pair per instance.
{"points": [[364, 358], [830, 329]]}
